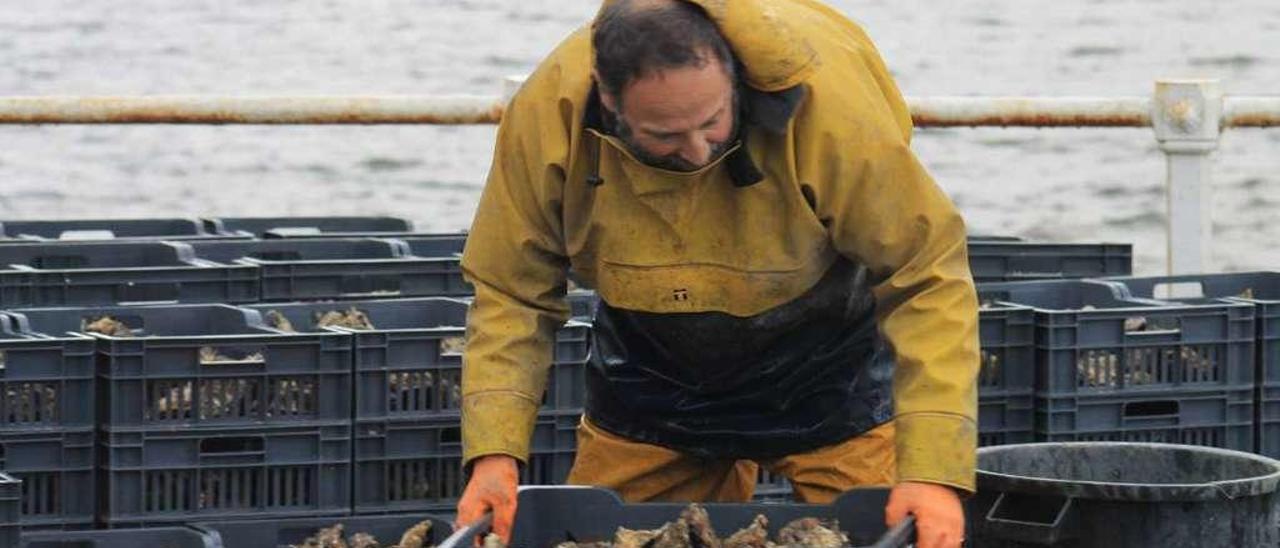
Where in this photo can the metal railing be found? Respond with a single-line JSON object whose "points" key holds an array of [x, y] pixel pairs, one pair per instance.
{"points": [[1187, 116]]}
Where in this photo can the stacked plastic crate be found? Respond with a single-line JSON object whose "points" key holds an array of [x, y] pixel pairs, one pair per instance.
{"points": [[306, 269], [408, 394], [204, 412], [1115, 368], [47, 426], [1262, 291]]}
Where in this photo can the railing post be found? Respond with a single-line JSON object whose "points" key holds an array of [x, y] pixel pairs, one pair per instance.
{"points": [[511, 85], [1187, 118]]}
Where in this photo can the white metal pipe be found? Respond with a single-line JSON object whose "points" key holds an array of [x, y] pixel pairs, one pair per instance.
{"points": [[183, 109], [1031, 111], [1251, 112]]}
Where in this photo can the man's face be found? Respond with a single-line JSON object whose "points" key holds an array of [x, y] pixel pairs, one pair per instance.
{"points": [[678, 119]]}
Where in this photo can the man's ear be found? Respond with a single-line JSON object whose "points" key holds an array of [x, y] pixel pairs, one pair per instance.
{"points": [[607, 99]]}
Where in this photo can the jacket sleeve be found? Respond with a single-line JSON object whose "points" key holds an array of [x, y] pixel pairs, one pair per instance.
{"points": [[884, 210], [515, 259]]}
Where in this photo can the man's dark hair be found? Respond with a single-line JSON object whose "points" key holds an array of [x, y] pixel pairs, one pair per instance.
{"points": [[633, 38]]}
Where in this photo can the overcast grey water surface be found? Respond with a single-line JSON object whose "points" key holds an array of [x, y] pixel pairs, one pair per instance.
{"points": [[1062, 185]]}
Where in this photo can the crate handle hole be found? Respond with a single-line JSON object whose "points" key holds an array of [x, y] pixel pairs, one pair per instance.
{"points": [[1159, 408], [222, 446], [276, 256], [453, 346], [231, 356], [57, 262], [451, 435]]}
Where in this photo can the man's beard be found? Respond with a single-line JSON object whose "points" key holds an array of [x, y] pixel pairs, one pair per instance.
{"points": [[674, 162]]}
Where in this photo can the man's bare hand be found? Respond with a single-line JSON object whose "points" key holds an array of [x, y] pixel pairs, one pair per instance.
{"points": [[938, 511], [492, 488]]}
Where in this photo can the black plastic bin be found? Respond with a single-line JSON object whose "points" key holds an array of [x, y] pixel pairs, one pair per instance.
{"points": [[105, 229], [80, 274], [207, 365], [547, 516], [260, 226], [1260, 289], [346, 268], [1105, 495], [281, 533], [997, 260]]}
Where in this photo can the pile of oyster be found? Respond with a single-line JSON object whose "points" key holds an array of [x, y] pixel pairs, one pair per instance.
{"points": [[693, 529]]}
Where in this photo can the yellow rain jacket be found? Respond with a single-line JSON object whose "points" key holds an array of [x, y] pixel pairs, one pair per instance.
{"points": [[834, 179]]}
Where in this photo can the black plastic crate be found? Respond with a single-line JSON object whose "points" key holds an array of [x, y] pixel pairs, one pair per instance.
{"points": [[207, 366], [583, 304], [10, 492], [77, 274], [260, 226], [410, 364], [1260, 289], [282, 533], [547, 516], [416, 465], [105, 229], [771, 487], [48, 381], [57, 473], [993, 260], [1091, 338], [347, 268], [445, 248], [157, 477], [1214, 418], [158, 537], [1006, 377]]}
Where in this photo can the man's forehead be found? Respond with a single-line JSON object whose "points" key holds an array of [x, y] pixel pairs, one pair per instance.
{"points": [[679, 97]]}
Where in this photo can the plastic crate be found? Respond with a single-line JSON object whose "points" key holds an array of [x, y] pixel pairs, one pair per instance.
{"points": [[410, 365], [583, 304], [446, 248], [322, 269], [260, 226], [57, 473], [156, 477], [771, 487], [105, 229], [547, 516], [994, 260], [1260, 289], [1006, 378], [47, 382], [207, 365], [75, 274], [1214, 418], [159, 537], [290, 532], [1091, 338], [10, 493], [416, 465]]}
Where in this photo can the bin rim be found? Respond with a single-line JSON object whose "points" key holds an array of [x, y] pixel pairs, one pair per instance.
{"points": [[1130, 491]]}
